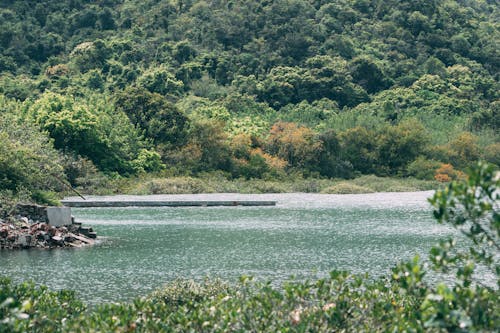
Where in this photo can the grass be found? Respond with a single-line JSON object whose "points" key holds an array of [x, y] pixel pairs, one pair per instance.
{"points": [[218, 183]]}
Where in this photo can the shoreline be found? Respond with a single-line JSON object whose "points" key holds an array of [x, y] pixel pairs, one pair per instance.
{"points": [[30, 226], [150, 185]]}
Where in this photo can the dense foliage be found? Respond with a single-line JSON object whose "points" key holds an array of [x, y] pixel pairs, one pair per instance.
{"points": [[405, 301], [255, 89]]}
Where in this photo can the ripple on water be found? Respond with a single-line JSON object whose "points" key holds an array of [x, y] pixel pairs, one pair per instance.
{"points": [[305, 235]]}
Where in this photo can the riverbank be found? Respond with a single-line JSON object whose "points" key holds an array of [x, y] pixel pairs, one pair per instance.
{"points": [[34, 226], [217, 183]]}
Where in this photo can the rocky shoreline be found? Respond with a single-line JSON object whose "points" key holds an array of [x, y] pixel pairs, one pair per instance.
{"points": [[31, 226]]}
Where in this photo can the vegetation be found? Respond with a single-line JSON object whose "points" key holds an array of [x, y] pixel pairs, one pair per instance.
{"points": [[404, 301], [250, 89]]}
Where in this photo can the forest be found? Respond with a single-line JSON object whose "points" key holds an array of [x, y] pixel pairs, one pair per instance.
{"points": [[94, 91]]}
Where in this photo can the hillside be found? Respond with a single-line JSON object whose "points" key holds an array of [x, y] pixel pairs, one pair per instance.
{"points": [[96, 90]]}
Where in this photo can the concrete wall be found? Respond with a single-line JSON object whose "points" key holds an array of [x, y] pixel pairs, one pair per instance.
{"points": [[59, 216], [55, 216], [32, 212]]}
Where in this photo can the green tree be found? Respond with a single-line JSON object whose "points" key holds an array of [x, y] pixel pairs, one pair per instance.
{"points": [[28, 159], [329, 162], [358, 146], [368, 75], [397, 146], [158, 118], [88, 128], [162, 81], [209, 142]]}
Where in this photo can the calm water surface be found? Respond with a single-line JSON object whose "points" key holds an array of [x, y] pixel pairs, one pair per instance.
{"points": [[305, 235]]}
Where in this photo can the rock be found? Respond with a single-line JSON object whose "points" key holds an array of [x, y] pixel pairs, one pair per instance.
{"points": [[22, 232], [41, 236], [24, 240], [57, 240], [52, 231], [86, 231], [82, 239], [69, 239]]}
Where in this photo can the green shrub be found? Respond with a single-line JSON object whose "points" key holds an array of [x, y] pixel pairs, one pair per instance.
{"points": [[46, 198], [27, 157], [89, 128], [176, 185], [423, 168], [147, 161], [346, 188]]}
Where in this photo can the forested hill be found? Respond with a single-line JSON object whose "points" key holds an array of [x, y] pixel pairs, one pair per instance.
{"points": [[251, 88]]}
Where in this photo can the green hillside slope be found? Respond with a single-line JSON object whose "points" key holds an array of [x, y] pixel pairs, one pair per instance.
{"points": [[252, 89]]}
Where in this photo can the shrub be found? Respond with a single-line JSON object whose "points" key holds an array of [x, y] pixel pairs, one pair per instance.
{"points": [[471, 206], [446, 173], [88, 128], [177, 185], [147, 161], [46, 198], [346, 188], [423, 168], [27, 157], [463, 150], [293, 143], [491, 153]]}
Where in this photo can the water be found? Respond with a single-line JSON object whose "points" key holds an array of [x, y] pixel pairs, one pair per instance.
{"points": [[305, 235]]}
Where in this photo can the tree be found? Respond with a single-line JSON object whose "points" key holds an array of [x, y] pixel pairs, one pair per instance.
{"points": [[358, 146], [329, 163], [28, 159], [160, 80], [208, 142], [368, 75], [295, 144], [88, 128], [400, 145], [153, 114], [463, 151], [90, 55]]}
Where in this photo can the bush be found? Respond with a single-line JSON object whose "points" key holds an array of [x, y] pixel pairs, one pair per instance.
{"points": [[147, 161], [447, 173], [46, 198], [346, 188], [177, 185], [27, 157], [88, 128], [492, 153], [471, 206], [423, 168]]}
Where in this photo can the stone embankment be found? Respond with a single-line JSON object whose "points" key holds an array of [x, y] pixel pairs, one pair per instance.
{"points": [[34, 226]]}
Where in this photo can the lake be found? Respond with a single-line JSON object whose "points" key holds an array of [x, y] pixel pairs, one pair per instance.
{"points": [[304, 235]]}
